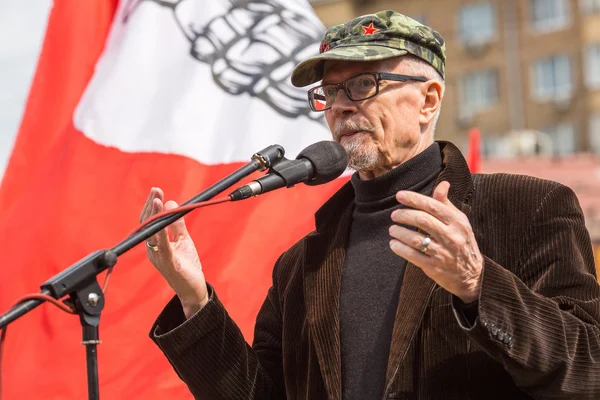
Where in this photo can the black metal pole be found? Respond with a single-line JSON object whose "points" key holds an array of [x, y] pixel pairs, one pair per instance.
{"points": [[92, 372], [90, 340], [89, 303], [19, 310]]}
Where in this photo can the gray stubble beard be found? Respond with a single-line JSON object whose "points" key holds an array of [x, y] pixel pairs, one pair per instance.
{"points": [[361, 157]]}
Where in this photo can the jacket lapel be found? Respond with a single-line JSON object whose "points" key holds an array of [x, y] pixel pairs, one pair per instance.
{"points": [[417, 287], [324, 255]]}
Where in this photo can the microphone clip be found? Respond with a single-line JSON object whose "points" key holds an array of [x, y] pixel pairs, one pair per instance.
{"points": [[293, 171], [269, 156]]}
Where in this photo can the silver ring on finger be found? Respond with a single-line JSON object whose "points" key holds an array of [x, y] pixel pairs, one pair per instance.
{"points": [[154, 248], [425, 244]]}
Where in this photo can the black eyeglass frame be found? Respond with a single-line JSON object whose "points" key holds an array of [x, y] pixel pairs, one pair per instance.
{"points": [[379, 76]]}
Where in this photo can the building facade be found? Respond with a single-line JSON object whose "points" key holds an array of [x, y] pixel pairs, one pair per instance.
{"points": [[525, 72]]}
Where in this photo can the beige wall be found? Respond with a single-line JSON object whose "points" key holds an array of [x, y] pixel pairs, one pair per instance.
{"points": [[334, 12]]}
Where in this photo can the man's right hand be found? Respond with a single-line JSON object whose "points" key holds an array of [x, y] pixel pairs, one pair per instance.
{"points": [[175, 256]]}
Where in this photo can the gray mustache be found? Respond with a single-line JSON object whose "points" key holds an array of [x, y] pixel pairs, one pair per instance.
{"points": [[351, 126]]}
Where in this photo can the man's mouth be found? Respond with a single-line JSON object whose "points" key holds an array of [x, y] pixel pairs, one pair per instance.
{"points": [[350, 133]]}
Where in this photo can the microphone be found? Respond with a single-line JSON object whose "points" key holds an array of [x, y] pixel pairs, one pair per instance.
{"points": [[319, 163]]}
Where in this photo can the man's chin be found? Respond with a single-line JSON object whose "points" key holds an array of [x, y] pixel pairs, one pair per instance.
{"points": [[361, 158]]}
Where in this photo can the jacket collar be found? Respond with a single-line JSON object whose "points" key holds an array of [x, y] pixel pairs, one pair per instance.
{"points": [[455, 170]]}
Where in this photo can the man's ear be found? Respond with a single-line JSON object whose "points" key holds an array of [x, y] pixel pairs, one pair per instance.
{"points": [[433, 101]]}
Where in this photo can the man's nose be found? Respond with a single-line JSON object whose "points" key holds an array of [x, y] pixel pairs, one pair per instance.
{"points": [[342, 104]]}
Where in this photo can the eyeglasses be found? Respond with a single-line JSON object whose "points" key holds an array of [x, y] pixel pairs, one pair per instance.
{"points": [[358, 87]]}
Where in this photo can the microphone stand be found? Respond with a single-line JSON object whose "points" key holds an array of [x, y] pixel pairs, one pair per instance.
{"points": [[79, 281]]}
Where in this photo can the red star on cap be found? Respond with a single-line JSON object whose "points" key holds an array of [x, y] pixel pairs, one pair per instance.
{"points": [[369, 30]]}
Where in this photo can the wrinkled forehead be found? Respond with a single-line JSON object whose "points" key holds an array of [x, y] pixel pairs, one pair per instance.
{"points": [[339, 70]]}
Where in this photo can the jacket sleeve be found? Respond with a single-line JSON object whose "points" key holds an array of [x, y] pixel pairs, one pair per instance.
{"points": [[210, 354], [544, 325]]}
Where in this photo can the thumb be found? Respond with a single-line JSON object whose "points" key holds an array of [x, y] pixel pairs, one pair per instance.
{"points": [[178, 228], [441, 192]]}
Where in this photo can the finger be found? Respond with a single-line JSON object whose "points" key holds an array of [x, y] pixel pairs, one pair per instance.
{"points": [[421, 220], [412, 239], [147, 205], [178, 228], [152, 240], [431, 206], [147, 210], [159, 194], [162, 236], [411, 255], [441, 192]]}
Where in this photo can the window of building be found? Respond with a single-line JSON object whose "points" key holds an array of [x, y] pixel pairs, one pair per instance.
{"points": [[589, 6], [563, 138], [478, 91], [594, 133], [592, 65], [549, 15], [477, 23], [552, 78]]}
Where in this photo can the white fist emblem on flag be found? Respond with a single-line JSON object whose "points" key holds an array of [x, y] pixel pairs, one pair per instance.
{"points": [[229, 65]]}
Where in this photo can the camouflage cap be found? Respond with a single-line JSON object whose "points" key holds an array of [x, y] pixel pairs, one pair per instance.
{"points": [[371, 37]]}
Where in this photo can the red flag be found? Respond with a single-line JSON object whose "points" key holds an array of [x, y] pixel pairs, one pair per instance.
{"points": [[130, 96], [474, 151]]}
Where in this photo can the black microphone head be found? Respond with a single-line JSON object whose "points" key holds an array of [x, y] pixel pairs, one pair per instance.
{"points": [[329, 160]]}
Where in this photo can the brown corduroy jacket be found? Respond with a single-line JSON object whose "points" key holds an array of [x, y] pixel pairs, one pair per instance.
{"points": [[537, 334]]}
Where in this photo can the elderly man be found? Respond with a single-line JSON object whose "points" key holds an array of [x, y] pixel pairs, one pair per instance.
{"points": [[421, 280]]}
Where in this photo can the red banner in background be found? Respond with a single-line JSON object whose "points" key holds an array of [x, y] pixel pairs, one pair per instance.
{"points": [[119, 105]]}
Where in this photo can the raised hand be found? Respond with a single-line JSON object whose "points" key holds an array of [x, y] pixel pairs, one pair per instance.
{"points": [[447, 252], [174, 255]]}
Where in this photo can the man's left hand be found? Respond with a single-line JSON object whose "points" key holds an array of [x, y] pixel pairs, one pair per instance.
{"points": [[452, 258]]}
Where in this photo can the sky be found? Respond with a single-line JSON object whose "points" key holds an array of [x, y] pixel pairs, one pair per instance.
{"points": [[22, 27]]}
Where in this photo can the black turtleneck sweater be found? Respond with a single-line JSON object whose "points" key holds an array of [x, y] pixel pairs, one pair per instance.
{"points": [[372, 274]]}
